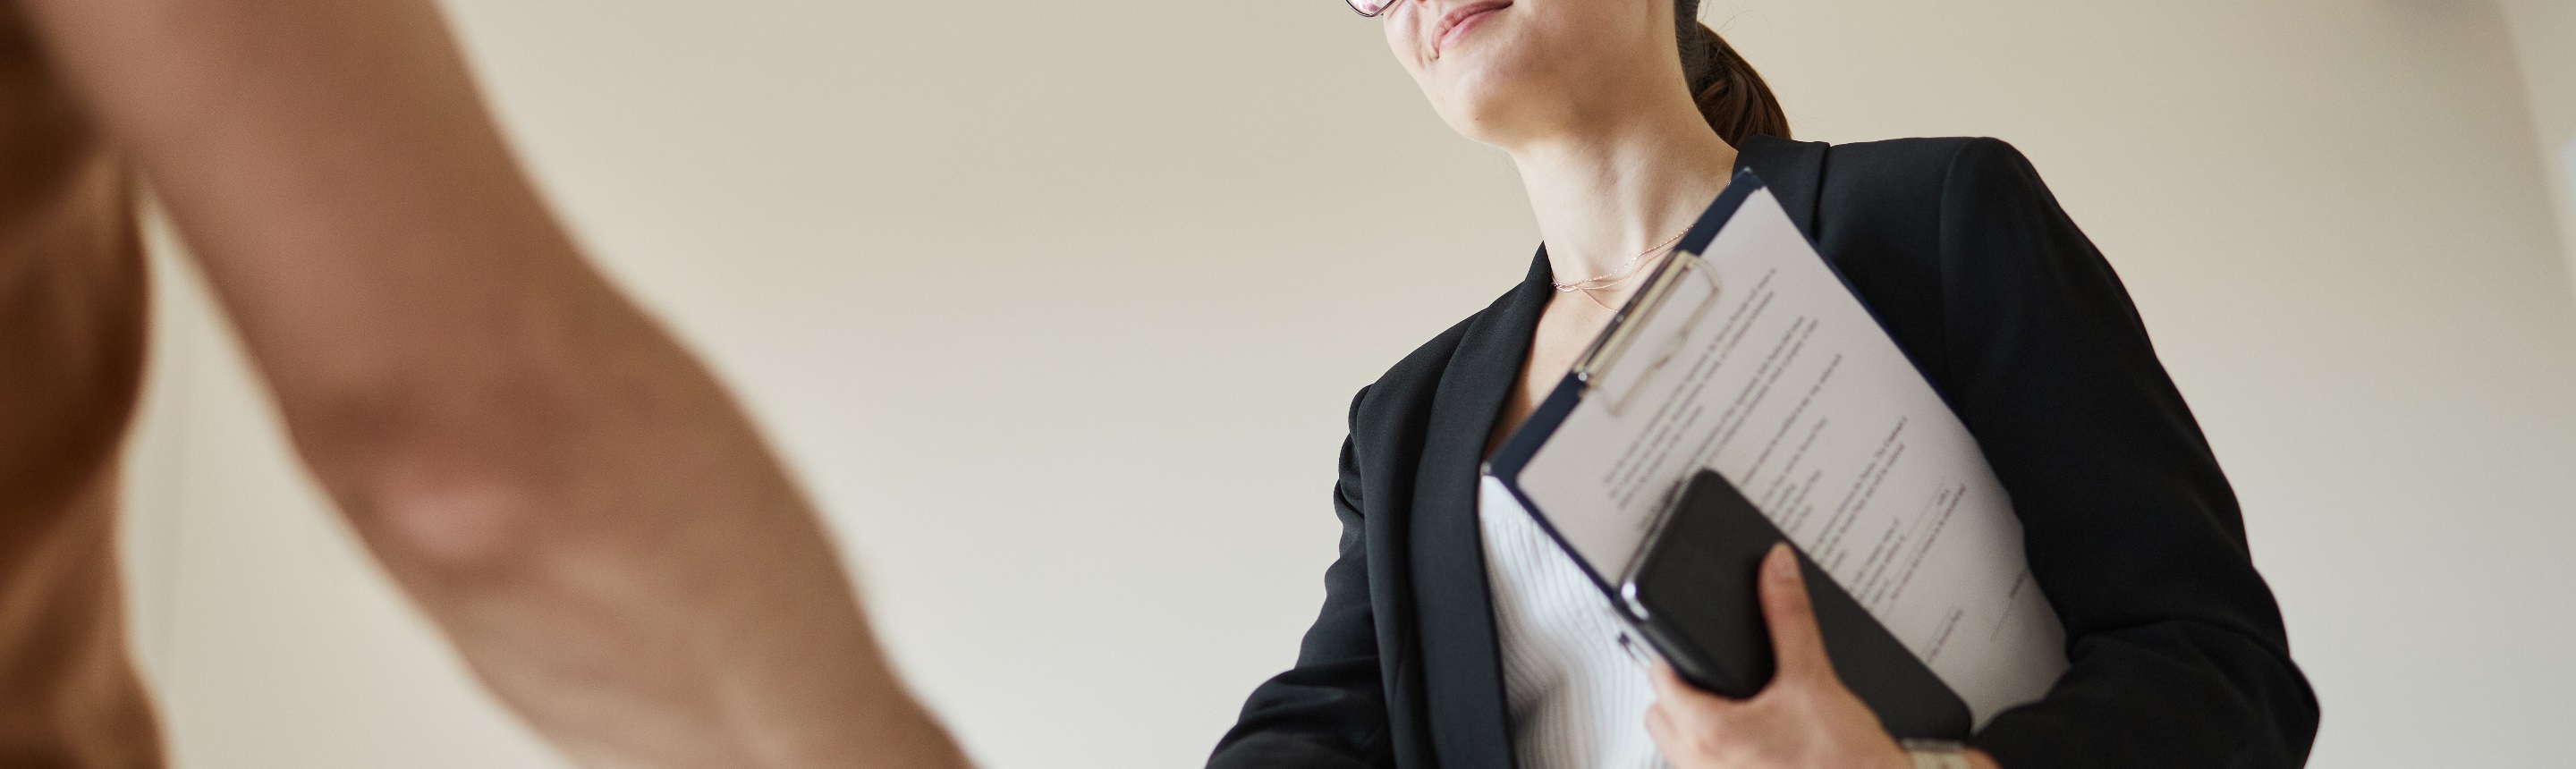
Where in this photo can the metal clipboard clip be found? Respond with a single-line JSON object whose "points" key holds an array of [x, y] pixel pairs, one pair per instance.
{"points": [[1599, 369]]}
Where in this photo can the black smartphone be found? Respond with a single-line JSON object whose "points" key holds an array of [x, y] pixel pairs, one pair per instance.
{"points": [[1694, 596]]}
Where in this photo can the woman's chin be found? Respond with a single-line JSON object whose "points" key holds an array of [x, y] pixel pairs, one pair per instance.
{"points": [[1493, 115], [1500, 129]]}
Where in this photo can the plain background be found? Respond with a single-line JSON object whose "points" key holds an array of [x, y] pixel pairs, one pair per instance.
{"points": [[983, 269]]}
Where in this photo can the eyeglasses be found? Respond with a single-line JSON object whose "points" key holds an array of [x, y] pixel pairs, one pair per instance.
{"points": [[1372, 7]]}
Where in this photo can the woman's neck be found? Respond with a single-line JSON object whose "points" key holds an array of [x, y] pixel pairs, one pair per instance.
{"points": [[1606, 195]]}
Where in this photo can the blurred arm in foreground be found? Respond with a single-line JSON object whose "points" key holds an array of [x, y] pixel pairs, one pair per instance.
{"points": [[566, 491]]}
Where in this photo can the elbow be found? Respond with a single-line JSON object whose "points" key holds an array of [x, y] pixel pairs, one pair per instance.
{"points": [[441, 488], [447, 524], [463, 531]]}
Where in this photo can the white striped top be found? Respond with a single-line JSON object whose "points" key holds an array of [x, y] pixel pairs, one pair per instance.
{"points": [[1578, 700]]}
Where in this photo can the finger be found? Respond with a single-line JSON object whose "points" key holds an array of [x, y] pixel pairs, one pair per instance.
{"points": [[1668, 684], [1659, 727], [1683, 701], [1796, 643], [1671, 687]]}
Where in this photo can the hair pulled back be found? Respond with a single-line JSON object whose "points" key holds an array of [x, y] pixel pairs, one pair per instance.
{"points": [[1730, 94]]}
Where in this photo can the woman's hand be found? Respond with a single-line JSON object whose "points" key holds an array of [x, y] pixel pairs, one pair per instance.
{"points": [[1804, 719]]}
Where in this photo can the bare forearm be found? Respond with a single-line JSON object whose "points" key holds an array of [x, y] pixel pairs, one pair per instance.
{"points": [[563, 488]]}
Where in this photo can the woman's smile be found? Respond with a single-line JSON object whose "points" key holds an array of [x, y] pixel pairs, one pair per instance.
{"points": [[1454, 24]]}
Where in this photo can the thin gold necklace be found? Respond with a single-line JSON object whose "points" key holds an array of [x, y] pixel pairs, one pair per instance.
{"points": [[1624, 272], [1617, 276]]}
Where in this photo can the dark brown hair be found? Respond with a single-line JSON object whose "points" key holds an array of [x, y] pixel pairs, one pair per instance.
{"points": [[1729, 93]]}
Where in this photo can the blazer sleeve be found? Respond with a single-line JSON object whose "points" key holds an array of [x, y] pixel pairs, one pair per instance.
{"points": [[1328, 712], [2178, 653]]}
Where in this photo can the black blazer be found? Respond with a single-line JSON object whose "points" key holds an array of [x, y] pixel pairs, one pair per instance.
{"points": [[2179, 657]]}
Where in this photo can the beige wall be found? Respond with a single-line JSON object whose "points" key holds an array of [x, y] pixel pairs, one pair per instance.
{"points": [[1057, 306]]}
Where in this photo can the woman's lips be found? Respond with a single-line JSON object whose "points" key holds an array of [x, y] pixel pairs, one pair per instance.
{"points": [[1456, 23]]}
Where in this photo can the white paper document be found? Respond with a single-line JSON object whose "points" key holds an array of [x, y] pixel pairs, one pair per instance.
{"points": [[1766, 369]]}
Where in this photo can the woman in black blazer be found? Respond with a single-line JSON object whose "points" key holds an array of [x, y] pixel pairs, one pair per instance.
{"points": [[2178, 654]]}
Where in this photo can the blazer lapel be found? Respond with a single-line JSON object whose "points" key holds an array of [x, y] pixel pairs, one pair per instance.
{"points": [[1463, 670], [1794, 171]]}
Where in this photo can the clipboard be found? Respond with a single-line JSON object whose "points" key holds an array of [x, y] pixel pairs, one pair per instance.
{"points": [[1685, 583], [1598, 371]]}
